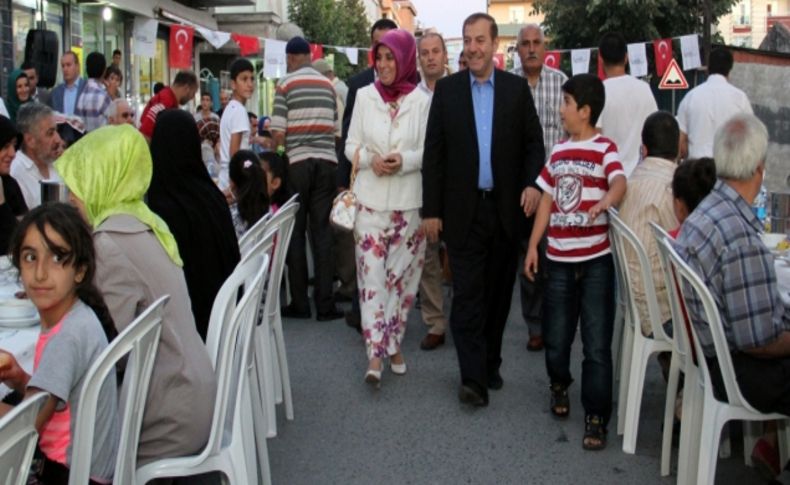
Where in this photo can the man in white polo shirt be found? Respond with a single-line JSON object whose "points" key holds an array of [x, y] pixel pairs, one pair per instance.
{"points": [[629, 102], [708, 106]]}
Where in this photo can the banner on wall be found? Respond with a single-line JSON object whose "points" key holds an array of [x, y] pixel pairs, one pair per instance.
{"points": [[181, 46], [637, 59], [214, 37], [580, 61], [144, 36]]}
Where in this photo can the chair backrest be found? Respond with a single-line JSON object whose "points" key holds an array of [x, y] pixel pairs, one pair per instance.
{"points": [[228, 297], [140, 340], [233, 341], [680, 338], [690, 281], [621, 288], [18, 439], [626, 240], [283, 221], [253, 235]]}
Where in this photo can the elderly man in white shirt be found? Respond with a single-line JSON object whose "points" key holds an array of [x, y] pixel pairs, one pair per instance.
{"points": [[41, 145], [708, 106]]}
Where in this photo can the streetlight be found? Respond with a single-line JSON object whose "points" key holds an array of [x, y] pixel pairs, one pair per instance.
{"points": [[106, 14]]}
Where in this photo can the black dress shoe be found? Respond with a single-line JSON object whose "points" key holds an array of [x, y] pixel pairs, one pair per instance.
{"points": [[469, 395], [353, 320], [495, 381], [292, 312], [333, 314]]}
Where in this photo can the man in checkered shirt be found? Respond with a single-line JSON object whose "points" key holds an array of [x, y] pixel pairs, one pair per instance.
{"points": [[93, 103], [546, 86], [721, 242]]}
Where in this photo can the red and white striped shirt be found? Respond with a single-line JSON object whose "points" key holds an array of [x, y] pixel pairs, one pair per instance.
{"points": [[577, 176]]}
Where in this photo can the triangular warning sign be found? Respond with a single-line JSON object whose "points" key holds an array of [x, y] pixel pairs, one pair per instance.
{"points": [[673, 77]]}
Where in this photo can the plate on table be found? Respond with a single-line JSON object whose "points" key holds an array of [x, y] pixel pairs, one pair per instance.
{"points": [[21, 322]]}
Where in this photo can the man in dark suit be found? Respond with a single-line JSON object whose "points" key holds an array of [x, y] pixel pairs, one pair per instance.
{"points": [[64, 96], [483, 152], [346, 241]]}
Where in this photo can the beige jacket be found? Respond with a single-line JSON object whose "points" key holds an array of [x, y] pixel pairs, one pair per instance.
{"points": [[133, 271]]}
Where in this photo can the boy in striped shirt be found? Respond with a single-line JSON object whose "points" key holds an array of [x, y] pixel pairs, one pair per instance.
{"points": [[582, 179]]}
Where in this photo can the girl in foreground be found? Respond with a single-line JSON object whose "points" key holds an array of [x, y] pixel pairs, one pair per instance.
{"points": [[53, 250]]}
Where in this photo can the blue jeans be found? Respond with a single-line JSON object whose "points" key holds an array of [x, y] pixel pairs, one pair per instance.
{"points": [[585, 290]]}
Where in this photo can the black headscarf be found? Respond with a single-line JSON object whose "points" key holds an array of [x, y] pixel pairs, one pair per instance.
{"points": [[14, 204], [183, 194]]}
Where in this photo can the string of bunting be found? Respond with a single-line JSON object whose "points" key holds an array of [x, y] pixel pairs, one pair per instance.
{"points": [[182, 42], [637, 56]]}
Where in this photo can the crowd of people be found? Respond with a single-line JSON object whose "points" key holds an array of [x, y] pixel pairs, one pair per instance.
{"points": [[472, 175]]}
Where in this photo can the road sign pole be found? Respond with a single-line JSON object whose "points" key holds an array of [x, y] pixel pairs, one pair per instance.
{"points": [[673, 102]]}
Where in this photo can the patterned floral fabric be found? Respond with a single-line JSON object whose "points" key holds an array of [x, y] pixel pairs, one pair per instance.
{"points": [[390, 254]]}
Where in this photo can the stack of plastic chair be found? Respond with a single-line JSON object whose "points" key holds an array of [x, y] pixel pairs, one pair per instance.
{"points": [[705, 416], [19, 436], [254, 234], [140, 340], [637, 348], [231, 446]]}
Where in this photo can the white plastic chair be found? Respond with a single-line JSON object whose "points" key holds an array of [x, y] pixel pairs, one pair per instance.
{"points": [[637, 348], [682, 361], [708, 414], [621, 316], [253, 235], [231, 447], [140, 340], [18, 430]]}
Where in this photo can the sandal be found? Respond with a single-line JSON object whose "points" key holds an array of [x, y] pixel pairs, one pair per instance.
{"points": [[560, 404], [594, 433]]}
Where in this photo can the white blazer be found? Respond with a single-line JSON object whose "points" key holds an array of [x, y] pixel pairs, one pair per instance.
{"points": [[372, 131]]}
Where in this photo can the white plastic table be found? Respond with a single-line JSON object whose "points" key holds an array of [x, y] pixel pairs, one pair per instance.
{"points": [[21, 342]]}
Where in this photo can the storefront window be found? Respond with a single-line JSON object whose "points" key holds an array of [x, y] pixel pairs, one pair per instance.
{"points": [[23, 20], [152, 70]]}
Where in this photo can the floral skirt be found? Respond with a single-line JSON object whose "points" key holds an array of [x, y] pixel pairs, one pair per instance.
{"points": [[390, 253]]}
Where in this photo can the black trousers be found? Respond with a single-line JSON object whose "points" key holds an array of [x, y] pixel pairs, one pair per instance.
{"points": [[764, 383], [484, 271], [314, 180]]}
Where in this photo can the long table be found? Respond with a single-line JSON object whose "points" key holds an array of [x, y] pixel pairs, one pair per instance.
{"points": [[21, 342]]}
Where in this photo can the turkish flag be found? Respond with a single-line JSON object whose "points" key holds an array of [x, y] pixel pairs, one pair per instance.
{"points": [[247, 43], [181, 46], [601, 73], [499, 60], [552, 59], [316, 52], [663, 50]]}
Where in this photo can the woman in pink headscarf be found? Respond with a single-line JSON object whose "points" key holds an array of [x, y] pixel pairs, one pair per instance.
{"points": [[386, 138]]}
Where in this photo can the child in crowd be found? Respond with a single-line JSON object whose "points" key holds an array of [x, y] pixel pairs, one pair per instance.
{"points": [[276, 168], [53, 249], [693, 180], [582, 179], [234, 126], [248, 185]]}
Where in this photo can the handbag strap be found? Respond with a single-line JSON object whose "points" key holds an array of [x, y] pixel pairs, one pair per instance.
{"points": [[354, 166]]}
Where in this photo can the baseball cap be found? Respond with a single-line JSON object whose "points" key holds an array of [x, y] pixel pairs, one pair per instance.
{"points": [[297, 45]]}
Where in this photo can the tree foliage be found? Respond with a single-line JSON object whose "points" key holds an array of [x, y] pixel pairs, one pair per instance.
{"points": [[333, 22], [581, 23]]}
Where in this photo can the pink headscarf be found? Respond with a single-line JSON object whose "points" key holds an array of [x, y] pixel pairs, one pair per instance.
{"points": [[404, 49]]}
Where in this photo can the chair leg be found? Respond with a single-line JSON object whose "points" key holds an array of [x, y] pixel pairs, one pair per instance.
{"points": [[617, 340], [279, 340], [725, 447], [625, 370], [710, 432], [669, 414], [689, 431], [636, 382], [752, 430], [263, 364], [783, 436]]}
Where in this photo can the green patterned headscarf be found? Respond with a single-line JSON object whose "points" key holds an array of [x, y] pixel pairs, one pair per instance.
{"points": [[109, 169]]}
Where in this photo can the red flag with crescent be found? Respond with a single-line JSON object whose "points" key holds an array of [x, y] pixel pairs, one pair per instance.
{"points": [[499, 60], [663, 51], [248, 44], [181, 46], [316, 52], [552, 59]]}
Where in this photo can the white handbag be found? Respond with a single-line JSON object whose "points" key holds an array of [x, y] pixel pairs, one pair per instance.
{"points": [[344, 207]]}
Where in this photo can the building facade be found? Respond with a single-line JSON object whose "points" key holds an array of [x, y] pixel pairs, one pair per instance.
{"points": [[750, 20], [510, 16]]}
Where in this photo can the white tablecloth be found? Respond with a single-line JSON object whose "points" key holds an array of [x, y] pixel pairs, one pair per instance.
{"points": [[21, 342], [783, 279]]}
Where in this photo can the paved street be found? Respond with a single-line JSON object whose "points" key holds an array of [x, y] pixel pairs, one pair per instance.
{"points": [[414, 431]]}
